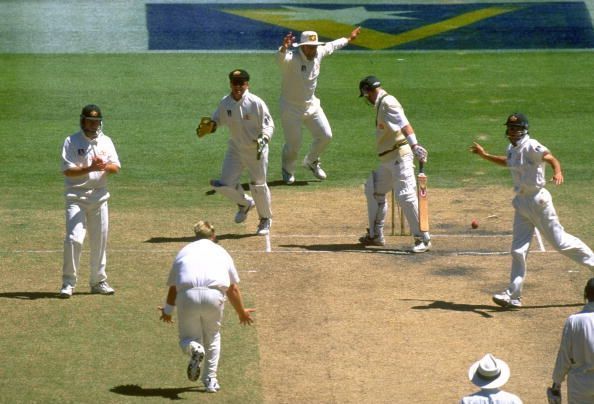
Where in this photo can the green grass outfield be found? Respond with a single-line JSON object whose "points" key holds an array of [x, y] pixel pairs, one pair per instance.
{"points": [[151, 104]]}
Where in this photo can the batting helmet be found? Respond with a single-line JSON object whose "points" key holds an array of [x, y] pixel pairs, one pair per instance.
{"points": [[517, 119], [368, 84], [91, 112]]}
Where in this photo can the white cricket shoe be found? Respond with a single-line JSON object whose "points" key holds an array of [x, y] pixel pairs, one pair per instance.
{"points": [[504, 299], [66, 291], [315, 168], [195, 361], [421, 246], [243, 211], [102, 288], [264, 227], [212, 385], [288, 178]]}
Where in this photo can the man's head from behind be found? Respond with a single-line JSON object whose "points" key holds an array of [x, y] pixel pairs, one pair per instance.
{"points": [[589, 290], [203, 229]]}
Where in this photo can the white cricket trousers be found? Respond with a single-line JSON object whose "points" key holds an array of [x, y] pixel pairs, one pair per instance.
{"points": [[200, 315], [316, 122], [580, 388], [83, 215], [537, 210], [237, 159], [398, 175]]}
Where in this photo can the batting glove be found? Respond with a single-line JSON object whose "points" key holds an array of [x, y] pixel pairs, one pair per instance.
{"points": [[420, 152]]}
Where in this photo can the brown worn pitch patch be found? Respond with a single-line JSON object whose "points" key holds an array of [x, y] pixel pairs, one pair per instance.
{"points": [[338, 323]]}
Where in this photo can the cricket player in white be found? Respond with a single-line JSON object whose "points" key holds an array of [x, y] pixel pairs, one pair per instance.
{"points": [[202, 276], [533, 205], [298, 103], [397, 146], [575, 358], [88, 157], [251, 127]]}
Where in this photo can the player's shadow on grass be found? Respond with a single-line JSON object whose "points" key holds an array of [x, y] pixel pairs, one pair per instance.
{"points": [[30, 295], [480, 309], [189, 239], [138, 391], [348, 247], [276, 183]]}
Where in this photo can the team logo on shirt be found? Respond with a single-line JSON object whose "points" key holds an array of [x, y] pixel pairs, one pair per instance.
{"points": [[229, 113]]}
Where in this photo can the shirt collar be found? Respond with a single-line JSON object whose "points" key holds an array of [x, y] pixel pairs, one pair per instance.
{"points": [[589, 307], [380, 94]]}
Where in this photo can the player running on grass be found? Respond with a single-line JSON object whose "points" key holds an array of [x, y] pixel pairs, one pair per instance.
{"points": [[251, 126], [533, 205]]}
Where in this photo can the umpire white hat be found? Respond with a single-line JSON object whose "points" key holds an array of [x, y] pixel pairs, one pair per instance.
{"points": [[308, 38], [489, 372]]}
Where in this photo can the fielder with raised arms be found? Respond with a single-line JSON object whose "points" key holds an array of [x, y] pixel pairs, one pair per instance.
{"points": [[298, 103], [251, 127], [397, 146]]}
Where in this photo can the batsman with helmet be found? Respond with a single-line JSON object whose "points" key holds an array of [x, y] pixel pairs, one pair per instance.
{"points": [[397, 146], [533, 205], [251, 126]]}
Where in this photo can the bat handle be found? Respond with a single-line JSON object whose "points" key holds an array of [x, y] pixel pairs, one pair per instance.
{"points": [[421, 167]]}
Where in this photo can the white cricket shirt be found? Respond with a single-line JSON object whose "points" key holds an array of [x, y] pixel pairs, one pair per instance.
{"points": [[203, 263], [491, 396], [246, 119], [576, 351], [300, 75], [389, 123], [78, 151], [525, 161]]}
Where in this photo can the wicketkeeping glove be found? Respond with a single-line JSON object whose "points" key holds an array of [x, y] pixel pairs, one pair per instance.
{"points": [[205, 126], [261, 143], [420, 152], [554, 395]]}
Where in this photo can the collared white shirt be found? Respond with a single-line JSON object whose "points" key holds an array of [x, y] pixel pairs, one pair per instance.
{"points": [[300, 75], [203, 263], [390, 119], [78, 151], [576, 350], [525, 161], [246, 119]]}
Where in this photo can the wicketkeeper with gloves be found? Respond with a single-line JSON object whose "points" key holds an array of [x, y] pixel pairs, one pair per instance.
{"points": [[397, 146], [251, 126], [576, 355]]}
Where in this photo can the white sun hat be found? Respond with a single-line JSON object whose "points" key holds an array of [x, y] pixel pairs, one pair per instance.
{"points": [[308, 38], [489, 372]]}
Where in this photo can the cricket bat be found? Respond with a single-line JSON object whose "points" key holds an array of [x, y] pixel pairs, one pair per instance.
{"points": [[423, 199]]}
